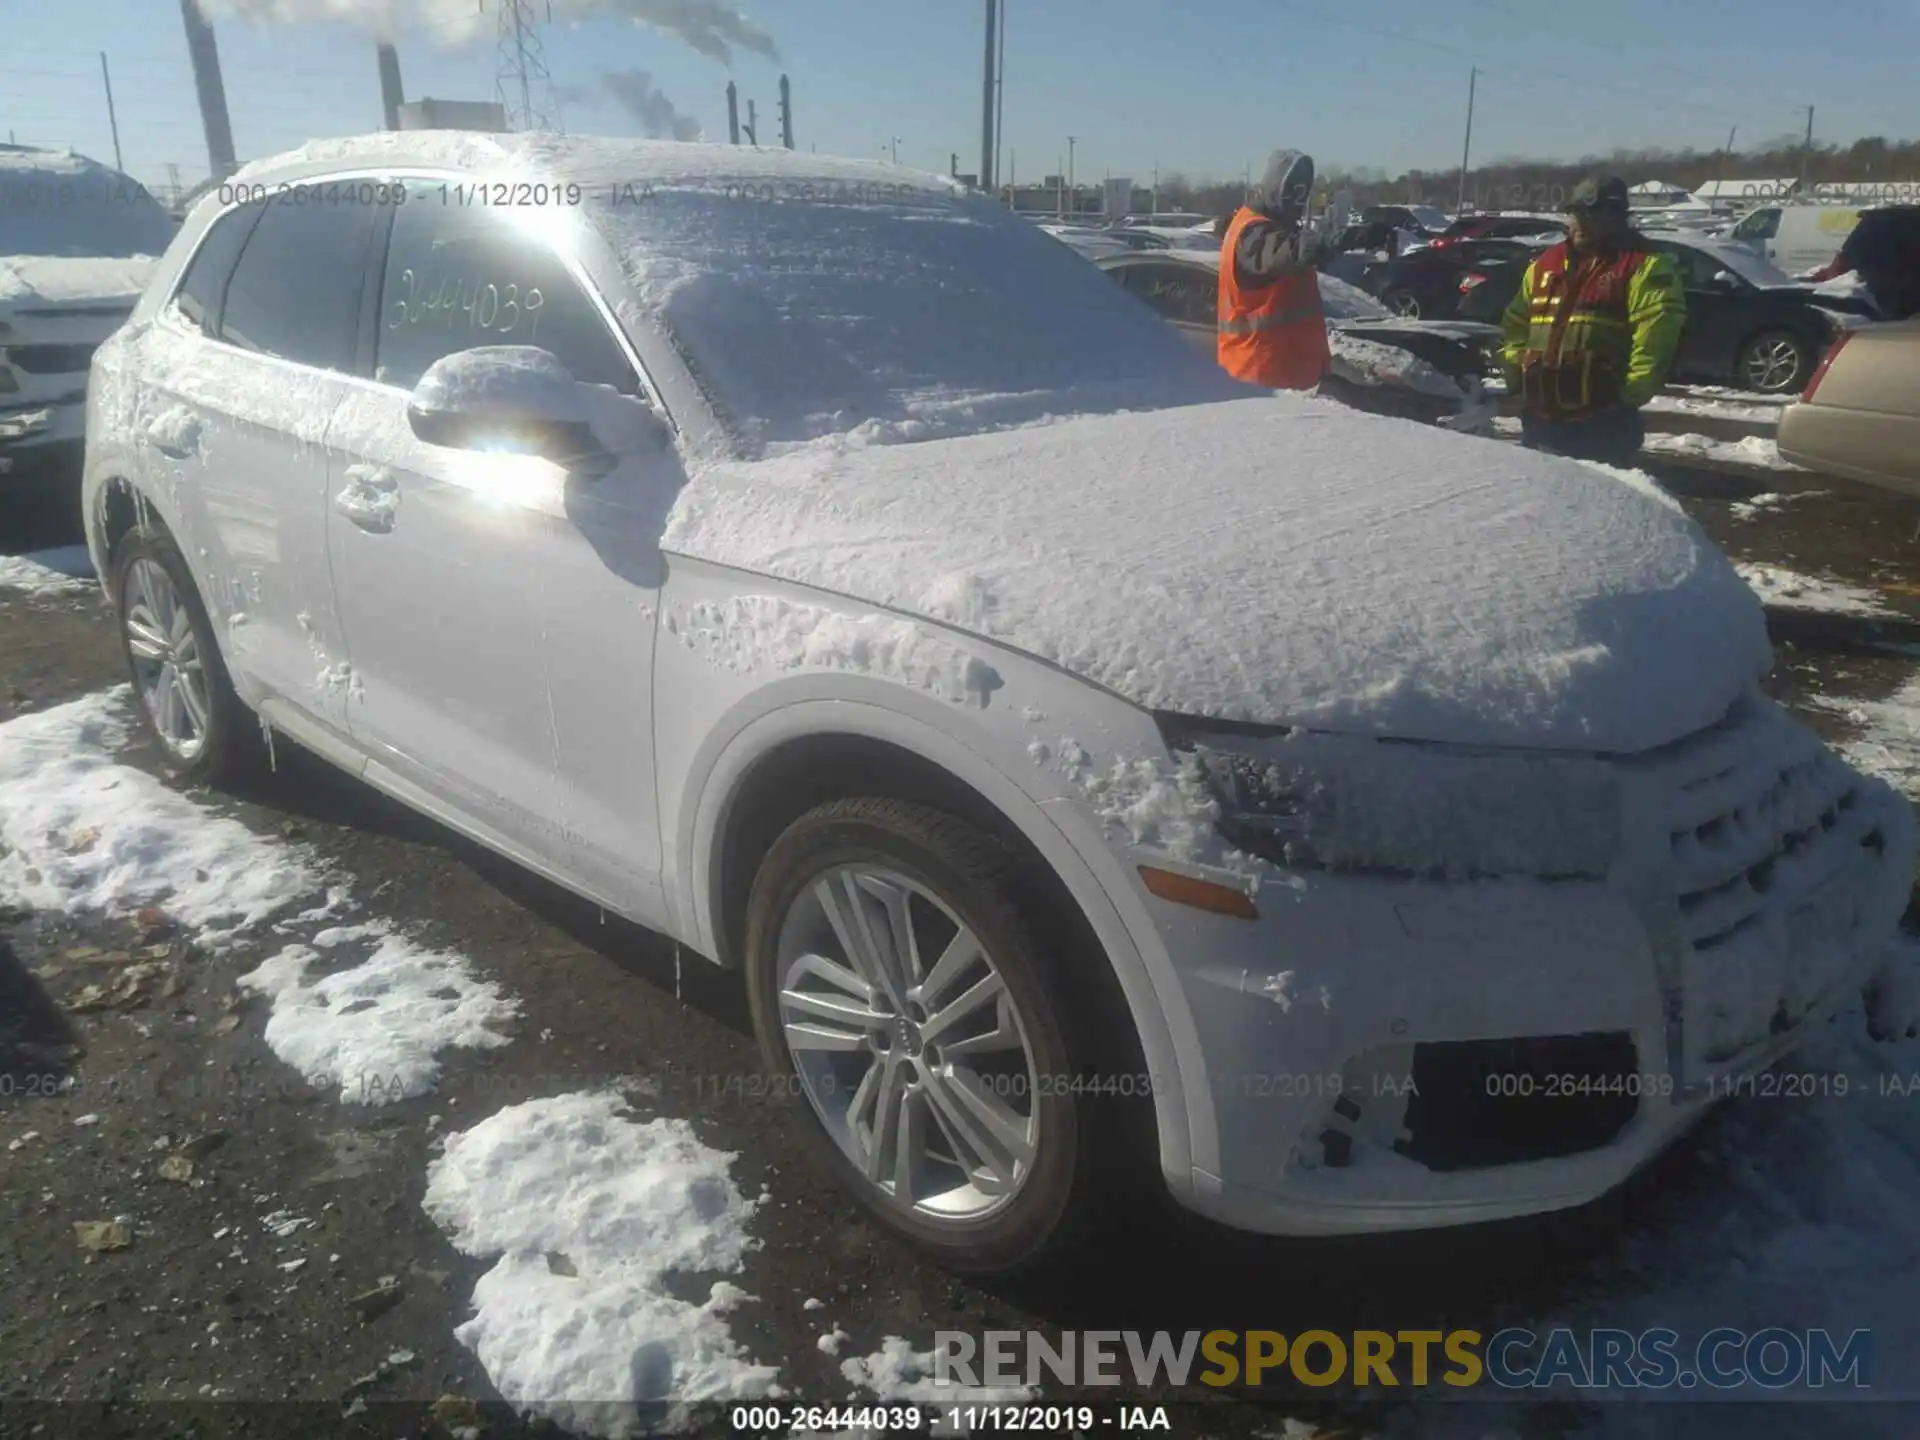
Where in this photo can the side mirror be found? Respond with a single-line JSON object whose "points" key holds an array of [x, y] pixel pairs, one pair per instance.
{"points": [[520, 400], [1725, 280]]}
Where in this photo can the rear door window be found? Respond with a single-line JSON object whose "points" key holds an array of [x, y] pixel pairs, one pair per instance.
{"points": [[1178, 292], [297, 290], [463, 276], [205, 284]]}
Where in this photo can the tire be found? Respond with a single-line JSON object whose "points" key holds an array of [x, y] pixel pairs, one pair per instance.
{"points": [[1402, 302], [1775, 362], [201, 731], [945, 875]]}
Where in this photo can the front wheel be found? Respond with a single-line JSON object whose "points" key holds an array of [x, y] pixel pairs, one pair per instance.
{"points": [[1402, 302], [946, 1078], [1775, 363], [180, 684]]}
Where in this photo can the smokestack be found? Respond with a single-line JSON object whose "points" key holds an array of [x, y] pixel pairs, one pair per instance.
{"points": [[733, 114], [213, 95], [392, 97], [786, 113]]}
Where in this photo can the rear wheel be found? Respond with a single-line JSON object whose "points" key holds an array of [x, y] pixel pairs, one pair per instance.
{"points": [[1774, 363], [943, 1069], [180, 683], [1402, 302]]}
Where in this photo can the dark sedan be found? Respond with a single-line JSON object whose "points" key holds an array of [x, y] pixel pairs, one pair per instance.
{"points": [[1748, 324], [1426, 282]]}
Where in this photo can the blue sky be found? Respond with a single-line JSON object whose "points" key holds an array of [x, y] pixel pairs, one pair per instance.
{"points": [[1203, 88]]}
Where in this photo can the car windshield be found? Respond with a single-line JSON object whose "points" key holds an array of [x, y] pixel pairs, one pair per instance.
{"points": [[823, 306], [77, 208]]}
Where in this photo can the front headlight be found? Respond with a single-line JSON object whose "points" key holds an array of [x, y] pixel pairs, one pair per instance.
{"points": [[1347, 803]]}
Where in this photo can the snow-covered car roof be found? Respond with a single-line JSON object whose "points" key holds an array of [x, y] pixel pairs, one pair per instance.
{"points": [[53, 202], [813, 296]]}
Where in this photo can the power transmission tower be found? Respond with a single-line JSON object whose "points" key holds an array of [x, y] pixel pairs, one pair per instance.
{"points": [[521, 79]]}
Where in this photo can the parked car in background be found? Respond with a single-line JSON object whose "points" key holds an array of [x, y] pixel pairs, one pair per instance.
{"points": [[1860, 416], [1417, 369], [895, 614], [1500, 227], [1426, 283], [77, 242], [1797, 239], [1426, 220], [1748, 324]]}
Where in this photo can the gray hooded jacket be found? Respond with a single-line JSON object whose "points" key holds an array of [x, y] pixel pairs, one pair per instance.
{"points": [[1277, 244]]}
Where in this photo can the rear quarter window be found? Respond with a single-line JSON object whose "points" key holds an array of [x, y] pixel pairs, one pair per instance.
{"points": [[297, 289], [204, 285]]}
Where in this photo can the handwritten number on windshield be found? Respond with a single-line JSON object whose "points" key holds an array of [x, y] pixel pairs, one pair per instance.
{"points": [[452, 304]]}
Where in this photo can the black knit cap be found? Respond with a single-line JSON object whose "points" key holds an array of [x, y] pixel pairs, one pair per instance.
{"points": [[1594, 193]]}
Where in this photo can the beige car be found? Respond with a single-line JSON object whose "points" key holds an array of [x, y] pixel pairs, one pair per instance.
{"points": [[1860, 416]]}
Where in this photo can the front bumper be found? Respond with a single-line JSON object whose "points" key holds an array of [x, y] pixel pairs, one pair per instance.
{"points": [[1620, 1008]]}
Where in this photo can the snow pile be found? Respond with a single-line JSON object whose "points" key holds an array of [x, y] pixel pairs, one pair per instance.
{"points": [[898, 1372], [1753, 410], [373, 1032], [764, 632], [1791, 591], [1341, 301], [1371, 362], [1637, 480], [67, 570], [80, 832], [1281, 559], [1756, 450], [590, 1213]]}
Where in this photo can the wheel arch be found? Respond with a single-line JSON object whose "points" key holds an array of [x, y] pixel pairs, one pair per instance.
{"points": [[791, 759]]}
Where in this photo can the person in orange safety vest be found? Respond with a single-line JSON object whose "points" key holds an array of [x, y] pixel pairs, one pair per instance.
{"points": [[1272, 330]]}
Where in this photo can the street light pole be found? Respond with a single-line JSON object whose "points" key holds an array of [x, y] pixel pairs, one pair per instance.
{"points": [[1073, 195], [1806, 151], [1466, 147]]}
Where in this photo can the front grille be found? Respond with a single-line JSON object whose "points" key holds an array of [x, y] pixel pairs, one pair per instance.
{"points": [[1779, 855], [51, 359]]}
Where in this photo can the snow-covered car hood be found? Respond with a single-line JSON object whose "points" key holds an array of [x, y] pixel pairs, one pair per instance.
{"points": [[28, 281], [1279, 560]]}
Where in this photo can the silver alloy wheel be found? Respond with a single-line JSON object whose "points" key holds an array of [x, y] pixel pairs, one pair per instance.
{"points": [[1405, 303], [1773, 366], [167, 664], [907, 1043]]}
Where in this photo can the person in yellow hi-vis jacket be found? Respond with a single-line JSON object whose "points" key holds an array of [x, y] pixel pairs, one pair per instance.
{"points": [[1592, 331]]}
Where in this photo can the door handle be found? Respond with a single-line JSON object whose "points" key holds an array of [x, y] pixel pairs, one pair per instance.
{"points": [[370, 499], [174, 433]]}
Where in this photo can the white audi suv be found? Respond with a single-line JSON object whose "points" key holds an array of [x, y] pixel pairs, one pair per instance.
{"points": [[1094, 767]]}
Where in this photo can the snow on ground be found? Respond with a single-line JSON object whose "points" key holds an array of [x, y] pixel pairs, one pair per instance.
{"points": [[1755, 450], [589, 1213], [1792, 591], [1769, 502], [1729, 393], [1888, 744], [81, 832], [63, 571], [898, 1372], [374, 1032], [1758, 409]]}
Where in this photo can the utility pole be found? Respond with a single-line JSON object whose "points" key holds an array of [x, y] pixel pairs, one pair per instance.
{"points": [[1153, 195], [1073, 195], [1000, 95], [986, 98], [1466, 147], [1806, 151], [107, 80], [753, 126], [1720, 170], [894, 147]]}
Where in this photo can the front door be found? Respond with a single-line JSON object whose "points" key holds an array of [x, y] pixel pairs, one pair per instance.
{"points": [[499, 629]]}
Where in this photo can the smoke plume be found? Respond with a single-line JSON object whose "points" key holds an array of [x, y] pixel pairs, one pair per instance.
{"points": [[712, 27], [648, 106]]}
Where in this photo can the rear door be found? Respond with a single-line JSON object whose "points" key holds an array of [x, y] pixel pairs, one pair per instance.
{"points": [[236, 416], [498, 614], [1187, 295]]}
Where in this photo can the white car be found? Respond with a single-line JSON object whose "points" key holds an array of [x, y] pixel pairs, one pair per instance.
{"points": [[1095, 768], [77, 242]]}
